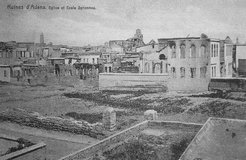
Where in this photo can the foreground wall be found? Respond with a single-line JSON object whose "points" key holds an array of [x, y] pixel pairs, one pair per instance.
{"points": [[218, 139], [132, 81], [188, 84], [149, 81], [102, 146], [118, 138], [37, 152]]}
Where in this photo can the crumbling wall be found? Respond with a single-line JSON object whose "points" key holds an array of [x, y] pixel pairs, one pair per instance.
{"points": [[34, 119]]}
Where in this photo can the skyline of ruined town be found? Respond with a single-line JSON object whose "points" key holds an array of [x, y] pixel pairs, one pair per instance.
{"points": [[115, 19], [122, 79]]}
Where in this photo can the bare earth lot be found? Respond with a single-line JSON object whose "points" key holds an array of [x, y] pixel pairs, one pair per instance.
{"points": [[81, 100]]}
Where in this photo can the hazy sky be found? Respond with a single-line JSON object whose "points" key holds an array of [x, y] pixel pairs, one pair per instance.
{"points": [[118, 19]]}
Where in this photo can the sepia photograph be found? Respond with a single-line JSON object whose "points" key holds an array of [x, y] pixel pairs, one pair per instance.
{"points": [[122, 79]]}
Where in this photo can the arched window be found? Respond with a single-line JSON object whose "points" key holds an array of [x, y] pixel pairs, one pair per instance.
{"points": [[182, 72], [182, 51], [203, 51], [192, 72], [162, 57], [146, 67], [109, 69], [106, 69], [173, 50], [173, 72], [193, 51]]}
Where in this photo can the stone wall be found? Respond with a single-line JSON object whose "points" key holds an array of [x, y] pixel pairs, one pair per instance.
{"points": [[219, 138], [104, 145], [36, 152], [174, 124], [150, 82], [132, 81], [116, 141], [34, 119]]}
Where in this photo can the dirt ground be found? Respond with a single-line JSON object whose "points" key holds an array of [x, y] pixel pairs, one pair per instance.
{"points": [[81, 99]]}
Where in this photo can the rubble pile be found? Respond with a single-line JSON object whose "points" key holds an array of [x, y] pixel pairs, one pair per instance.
{"points": [[34, 119]]}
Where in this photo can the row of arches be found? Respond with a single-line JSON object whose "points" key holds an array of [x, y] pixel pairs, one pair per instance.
{"points": [[193, 51], [192, 72], [151, 67]]}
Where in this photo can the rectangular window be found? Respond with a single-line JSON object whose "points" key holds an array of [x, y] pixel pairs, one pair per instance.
{"points": [[5, 73], [216, 50], [213, 71], [192, 72], [193, 51], [212, 50], [182, 72], [1, 54], [182, 51]]}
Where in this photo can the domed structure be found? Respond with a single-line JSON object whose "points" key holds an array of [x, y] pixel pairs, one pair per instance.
{"points": [[138, 34], [203, 36]]}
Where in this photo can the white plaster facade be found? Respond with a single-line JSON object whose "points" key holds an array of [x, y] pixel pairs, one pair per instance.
{"points": [[91, 58], [215, 59]]}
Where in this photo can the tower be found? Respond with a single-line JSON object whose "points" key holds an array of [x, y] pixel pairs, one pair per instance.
{"points": [[42, 38], [138, 34]]}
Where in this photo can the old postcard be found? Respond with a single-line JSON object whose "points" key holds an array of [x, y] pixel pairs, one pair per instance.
{"points": [[122, 79]]}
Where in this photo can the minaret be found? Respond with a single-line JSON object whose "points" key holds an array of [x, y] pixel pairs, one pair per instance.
{"points": [[42, 38]]}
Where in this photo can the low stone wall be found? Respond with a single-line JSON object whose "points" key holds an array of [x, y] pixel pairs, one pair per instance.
{"points": [[175, 124], [133, 81], [102, 146], [151, 82], [115, 141], [37, 152], [34, 119]]}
